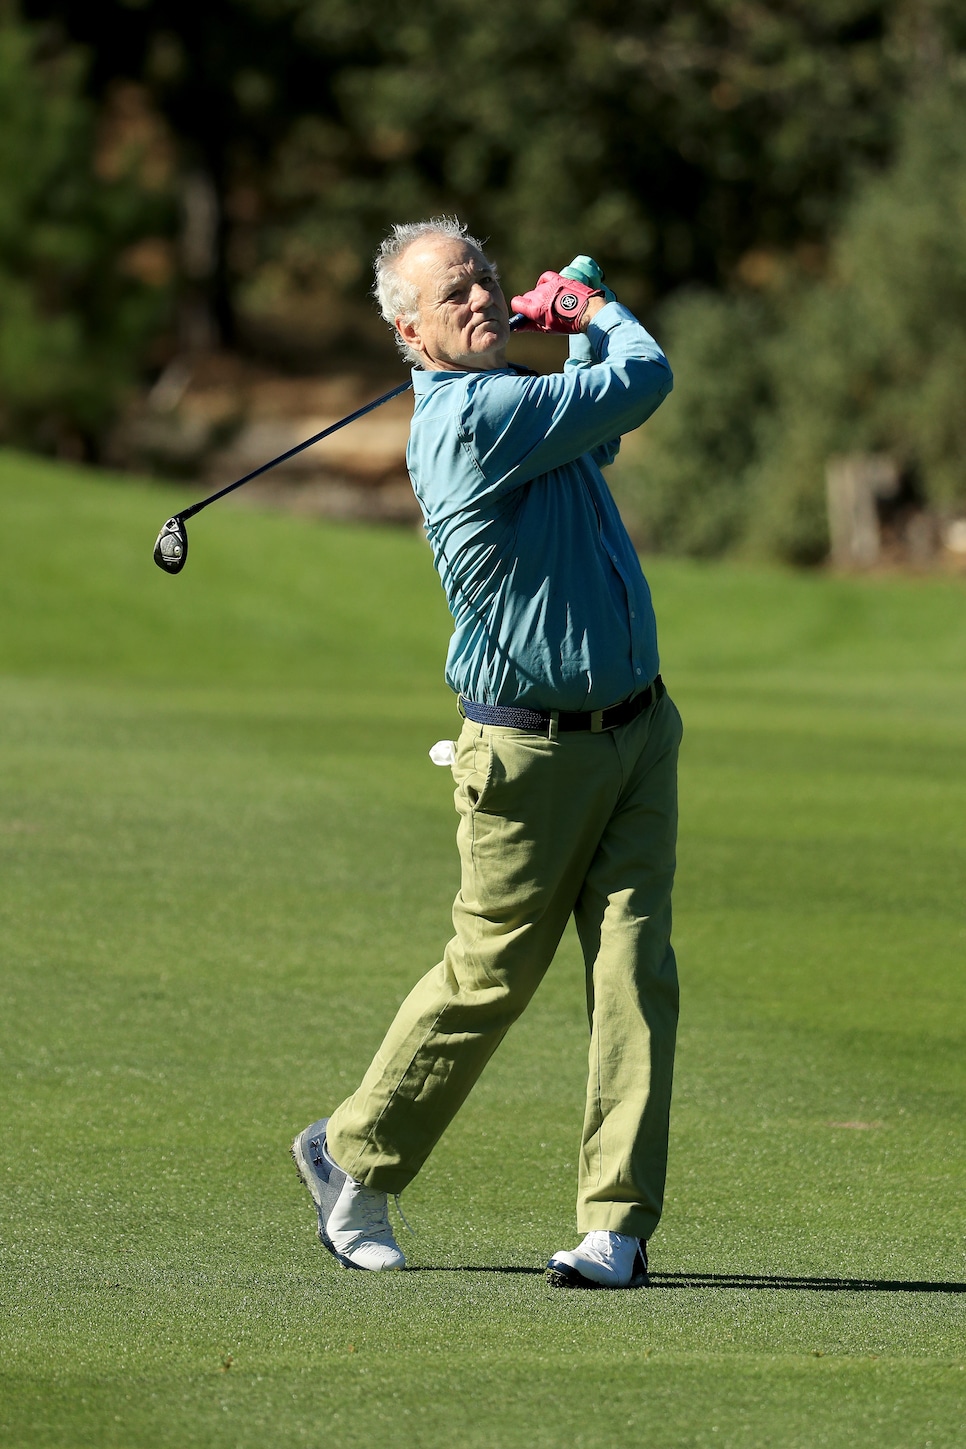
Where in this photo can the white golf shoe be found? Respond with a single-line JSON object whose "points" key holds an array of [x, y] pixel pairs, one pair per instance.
{"points": [[602, 1260], [353, 1219]]}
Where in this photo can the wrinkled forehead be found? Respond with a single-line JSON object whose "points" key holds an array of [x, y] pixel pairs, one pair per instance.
{"points": [[432, 264]]}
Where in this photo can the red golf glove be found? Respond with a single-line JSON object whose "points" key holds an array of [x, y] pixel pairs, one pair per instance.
{"points": [[554, 305]]}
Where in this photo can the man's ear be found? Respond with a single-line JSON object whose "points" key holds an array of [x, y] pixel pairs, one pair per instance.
{"points": [[409, 332]]}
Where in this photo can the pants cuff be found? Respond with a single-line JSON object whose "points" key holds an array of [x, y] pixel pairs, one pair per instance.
{"points": [[601, 1217]]}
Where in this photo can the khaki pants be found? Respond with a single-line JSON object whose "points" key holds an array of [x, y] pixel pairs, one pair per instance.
{"points": [[583, 824]]}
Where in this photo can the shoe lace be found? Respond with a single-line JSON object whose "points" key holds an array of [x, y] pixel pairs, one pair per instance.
{"points": [[403, 1217], [372, 1211]]}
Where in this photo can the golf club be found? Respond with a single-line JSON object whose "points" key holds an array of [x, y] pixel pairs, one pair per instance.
{"points": [[171, 547]]}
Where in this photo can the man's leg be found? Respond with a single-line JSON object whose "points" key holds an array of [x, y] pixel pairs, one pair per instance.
{"points": [[531, 814], [624, 922]]}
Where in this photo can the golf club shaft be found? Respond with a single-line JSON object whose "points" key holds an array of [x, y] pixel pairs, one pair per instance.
{"points": [[515, 321], [299, 448]]}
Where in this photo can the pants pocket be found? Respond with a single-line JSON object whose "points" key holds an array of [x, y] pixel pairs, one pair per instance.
{"points": [[473, 768]]}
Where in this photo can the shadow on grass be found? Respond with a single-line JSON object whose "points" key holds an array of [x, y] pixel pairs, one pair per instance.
{"points": [[802, 1285], [471, 1268], [742, 1280]]}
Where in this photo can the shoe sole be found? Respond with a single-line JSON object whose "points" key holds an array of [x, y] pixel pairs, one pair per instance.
{"points": [[570, 1278], [307, 1177], [562, 1275]]}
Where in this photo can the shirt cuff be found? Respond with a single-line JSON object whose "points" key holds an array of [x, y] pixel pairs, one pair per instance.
{"points": [[581, 349], [611, 315], [609, 320]]}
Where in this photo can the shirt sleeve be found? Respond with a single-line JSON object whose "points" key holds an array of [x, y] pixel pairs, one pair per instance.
{"points": [[517, 428], [582, 355]]}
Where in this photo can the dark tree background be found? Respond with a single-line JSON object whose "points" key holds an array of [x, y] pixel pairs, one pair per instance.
{"points": [[234, 163], [672, 137]]}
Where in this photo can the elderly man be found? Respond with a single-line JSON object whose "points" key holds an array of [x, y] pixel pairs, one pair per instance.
{"points": [[566, 763]]}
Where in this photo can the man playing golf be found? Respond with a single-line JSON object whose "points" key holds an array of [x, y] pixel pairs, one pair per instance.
{"points": [[566, 763]]}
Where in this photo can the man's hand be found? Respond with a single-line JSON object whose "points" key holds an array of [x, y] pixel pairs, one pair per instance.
{"points": [[585, 269], [558, 305]]}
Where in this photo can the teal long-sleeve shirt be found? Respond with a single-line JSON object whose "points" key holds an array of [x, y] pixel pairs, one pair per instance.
{"points": [[550, 605]]}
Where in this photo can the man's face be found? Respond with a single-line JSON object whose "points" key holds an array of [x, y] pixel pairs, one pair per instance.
{"points": [[462, 324]]}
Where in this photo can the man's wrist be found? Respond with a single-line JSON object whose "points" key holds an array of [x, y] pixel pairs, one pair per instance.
{"points": [[594, 305]]}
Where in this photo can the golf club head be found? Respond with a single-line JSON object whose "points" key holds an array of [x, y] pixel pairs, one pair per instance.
{"points": [[171, 549]]}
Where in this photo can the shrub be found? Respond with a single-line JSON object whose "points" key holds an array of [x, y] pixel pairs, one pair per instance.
{"points": [[685, 484], [870, 357], [75, 318]]}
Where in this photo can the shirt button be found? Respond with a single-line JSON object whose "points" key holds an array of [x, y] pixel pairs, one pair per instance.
{"points": [[633, 615], [637, 671]]}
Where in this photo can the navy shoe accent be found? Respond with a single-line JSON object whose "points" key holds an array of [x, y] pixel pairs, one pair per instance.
{"points": [[321, 1176]]}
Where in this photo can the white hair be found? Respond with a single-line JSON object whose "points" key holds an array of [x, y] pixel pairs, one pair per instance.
{"points": [[397, 297]]}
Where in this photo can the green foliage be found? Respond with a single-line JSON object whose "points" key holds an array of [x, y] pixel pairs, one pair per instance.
{"points": [[685, 143], [684, 481], [664, 138], [667, 137], [869, 358], [873, 358], [74, 322]]}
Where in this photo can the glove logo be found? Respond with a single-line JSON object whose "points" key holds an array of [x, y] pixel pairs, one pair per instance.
{"points": [[568, 302]]}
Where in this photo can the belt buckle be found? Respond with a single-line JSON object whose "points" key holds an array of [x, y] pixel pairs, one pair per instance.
{"points": [[597, 725]]}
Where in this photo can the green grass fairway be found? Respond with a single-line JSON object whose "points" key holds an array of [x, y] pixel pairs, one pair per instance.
{"points": [[224, 858]]}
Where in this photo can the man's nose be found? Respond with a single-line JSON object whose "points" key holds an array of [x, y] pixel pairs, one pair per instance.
{"points": [[480, 297]]}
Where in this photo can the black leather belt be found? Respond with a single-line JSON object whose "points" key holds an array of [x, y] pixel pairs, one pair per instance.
{"points": [[541, 720]]}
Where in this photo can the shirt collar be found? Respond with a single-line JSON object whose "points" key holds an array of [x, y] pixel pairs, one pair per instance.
{"points": [[425, 380]]}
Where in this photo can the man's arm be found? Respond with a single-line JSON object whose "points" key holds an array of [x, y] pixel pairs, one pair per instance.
{"points": [[590, 312], [582, 355], [518, 428]]}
